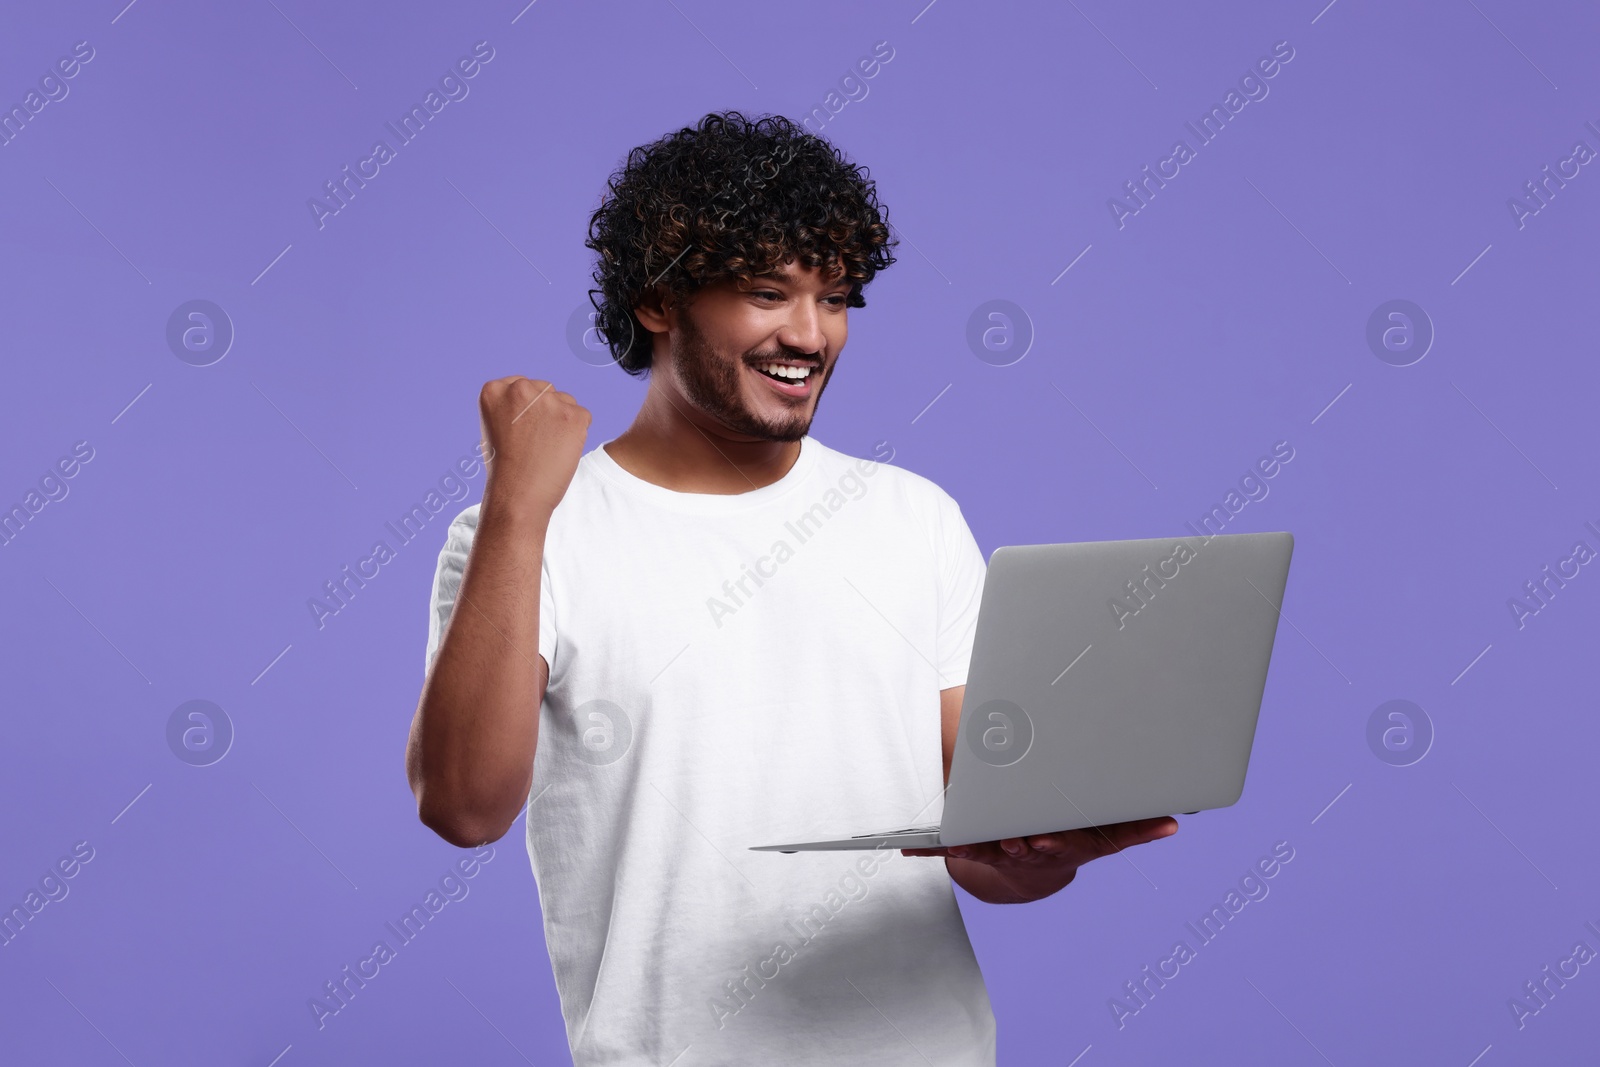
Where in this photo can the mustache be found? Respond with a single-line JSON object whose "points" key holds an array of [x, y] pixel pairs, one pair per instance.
{"points": [[787, 357]]}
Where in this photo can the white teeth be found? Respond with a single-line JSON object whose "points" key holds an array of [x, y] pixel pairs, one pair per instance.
{"points": [[799, 373]]}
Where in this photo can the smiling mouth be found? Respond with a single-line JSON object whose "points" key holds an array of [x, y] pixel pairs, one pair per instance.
{"points": [[788, 380]]}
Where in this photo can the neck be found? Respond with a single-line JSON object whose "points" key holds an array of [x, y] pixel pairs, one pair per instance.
{"points": [[673, 445]]}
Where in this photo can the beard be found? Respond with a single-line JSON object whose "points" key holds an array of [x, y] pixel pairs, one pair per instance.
{"points": [[716, 385]]}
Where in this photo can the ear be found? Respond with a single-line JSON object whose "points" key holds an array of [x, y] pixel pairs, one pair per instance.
{"points": [[652, 312]]}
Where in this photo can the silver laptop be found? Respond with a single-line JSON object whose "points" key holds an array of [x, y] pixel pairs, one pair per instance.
{"points": [[1109, 681]]}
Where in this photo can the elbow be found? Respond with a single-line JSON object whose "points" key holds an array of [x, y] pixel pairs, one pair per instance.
{"points": [[460, 830], [466, 818], [445, 815]]}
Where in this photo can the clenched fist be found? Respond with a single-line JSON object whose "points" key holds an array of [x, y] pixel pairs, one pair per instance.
{"points": [[535, 435]]}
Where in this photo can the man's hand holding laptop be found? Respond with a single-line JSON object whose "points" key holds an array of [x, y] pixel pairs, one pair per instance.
{"points": [[1160, 718], [1017, 870]]}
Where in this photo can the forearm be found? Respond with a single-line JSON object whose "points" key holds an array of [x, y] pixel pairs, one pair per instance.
{"points": [[470, 753]]}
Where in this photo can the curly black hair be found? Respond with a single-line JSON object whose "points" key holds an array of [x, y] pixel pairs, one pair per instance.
{"points": [[730, 197]]}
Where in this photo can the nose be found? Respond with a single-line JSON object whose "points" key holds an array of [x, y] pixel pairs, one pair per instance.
{"points": [[802, 330]]}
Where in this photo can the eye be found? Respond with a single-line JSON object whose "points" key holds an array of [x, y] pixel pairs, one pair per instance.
{"points": [[768, 292], [838, 300]]}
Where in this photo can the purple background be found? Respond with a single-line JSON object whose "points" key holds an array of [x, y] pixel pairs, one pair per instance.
{"points": [[1228, 314]]}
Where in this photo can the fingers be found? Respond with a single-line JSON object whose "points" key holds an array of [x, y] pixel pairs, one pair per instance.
{"points": [[523, 386], [1142, 830], [1088, 843], [1079, 846], [992, 852], [1105, 840], [1054, 843]]}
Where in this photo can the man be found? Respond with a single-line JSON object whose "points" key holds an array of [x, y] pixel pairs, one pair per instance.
{"points": [[715, 632]]}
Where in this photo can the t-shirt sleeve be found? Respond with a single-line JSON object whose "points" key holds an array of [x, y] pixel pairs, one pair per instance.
{"points": [[447, 579], [547, 616], [961, 573], [447, 587]]}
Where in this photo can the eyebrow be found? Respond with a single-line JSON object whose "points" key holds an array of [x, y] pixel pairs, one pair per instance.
{"points": [[789, 277]]}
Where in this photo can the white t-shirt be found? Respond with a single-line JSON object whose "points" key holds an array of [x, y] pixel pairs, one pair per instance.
{"points": [[738, 670]]}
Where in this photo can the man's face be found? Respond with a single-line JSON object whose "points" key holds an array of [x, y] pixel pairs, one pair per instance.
{"points": [[794, 318]]}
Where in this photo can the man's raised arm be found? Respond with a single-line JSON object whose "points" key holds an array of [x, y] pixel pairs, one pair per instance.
{"points": [[469, 757]]}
